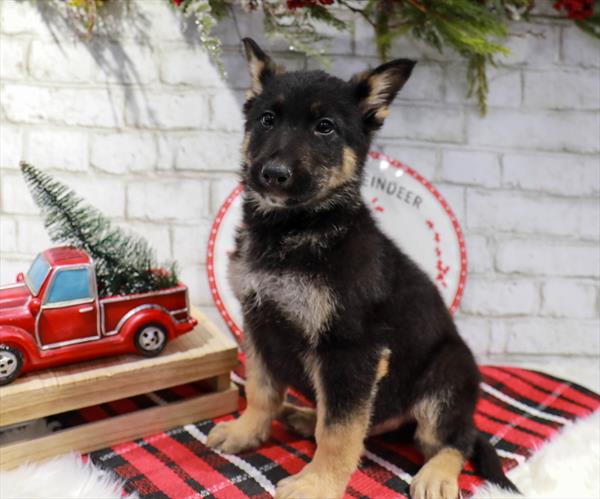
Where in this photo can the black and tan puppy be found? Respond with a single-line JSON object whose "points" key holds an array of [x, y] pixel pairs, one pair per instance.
{"points": [[331, 306]]}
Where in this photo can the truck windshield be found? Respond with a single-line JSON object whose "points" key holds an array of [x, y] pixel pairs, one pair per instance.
{"points": [[36, 274]]}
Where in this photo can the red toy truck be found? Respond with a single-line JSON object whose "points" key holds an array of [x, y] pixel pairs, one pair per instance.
{"points": [[53, 316]]}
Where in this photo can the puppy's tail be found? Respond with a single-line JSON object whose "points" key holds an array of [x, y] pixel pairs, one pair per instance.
{"points": [[487, 464]]}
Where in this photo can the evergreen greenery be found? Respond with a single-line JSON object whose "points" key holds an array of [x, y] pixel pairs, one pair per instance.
{"points": [[124, 262]]}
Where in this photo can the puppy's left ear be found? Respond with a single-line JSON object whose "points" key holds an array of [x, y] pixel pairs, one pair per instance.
{"points": [[260, 66], [376, 89]]}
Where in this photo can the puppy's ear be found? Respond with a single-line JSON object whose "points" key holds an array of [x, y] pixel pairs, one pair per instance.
{"points": [[260, 66], [376, 89]]}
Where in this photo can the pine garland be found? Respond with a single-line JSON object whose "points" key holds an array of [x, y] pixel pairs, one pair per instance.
{"points": [[125, 263]]}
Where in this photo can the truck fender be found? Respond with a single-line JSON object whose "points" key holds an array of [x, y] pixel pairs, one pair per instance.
{"points": [[20, 339], [149, 314]]}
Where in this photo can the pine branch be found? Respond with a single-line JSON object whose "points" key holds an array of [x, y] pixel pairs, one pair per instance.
{"points": [[125, 263]]}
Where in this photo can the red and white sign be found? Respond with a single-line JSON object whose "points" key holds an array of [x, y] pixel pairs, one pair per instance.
{"points": [[408, 209]]}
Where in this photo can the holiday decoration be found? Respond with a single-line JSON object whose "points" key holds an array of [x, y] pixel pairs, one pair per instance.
{"points": [[102, 294], [474, 29], [53, 315], [124, 262]]}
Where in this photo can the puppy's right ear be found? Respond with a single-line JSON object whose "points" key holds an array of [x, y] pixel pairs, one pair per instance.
{"points": [[260, 66]]}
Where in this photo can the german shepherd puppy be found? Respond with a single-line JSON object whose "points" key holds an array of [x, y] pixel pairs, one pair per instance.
{"points": [[331, 306]]}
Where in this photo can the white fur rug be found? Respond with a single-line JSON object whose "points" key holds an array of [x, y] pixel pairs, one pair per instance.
{"points": [[566, 467]]}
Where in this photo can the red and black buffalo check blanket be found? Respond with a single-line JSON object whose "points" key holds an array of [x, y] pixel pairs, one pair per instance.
{"points": [[519, 409]]}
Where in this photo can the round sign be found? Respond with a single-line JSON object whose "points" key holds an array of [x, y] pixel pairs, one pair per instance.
{"points": [[408, 209]]}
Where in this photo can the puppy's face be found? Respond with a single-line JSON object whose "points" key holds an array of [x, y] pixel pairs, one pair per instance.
{"points": [[307, 133]]}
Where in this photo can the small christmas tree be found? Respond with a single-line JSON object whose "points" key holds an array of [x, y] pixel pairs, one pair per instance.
{"points": [[125, 263]]}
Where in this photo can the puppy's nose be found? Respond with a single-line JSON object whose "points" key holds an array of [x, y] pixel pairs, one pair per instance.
{"points": [[276, 175]]}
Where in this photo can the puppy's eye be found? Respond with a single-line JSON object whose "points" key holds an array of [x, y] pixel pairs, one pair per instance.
{"points": [[267, 119], [325, 126]]}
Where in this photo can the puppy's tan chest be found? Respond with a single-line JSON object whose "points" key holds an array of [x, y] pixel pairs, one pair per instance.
{"points": [[305, 300]]}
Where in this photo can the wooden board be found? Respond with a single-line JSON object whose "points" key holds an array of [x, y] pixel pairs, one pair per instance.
{"points": [[117, 429], [202, 354]]}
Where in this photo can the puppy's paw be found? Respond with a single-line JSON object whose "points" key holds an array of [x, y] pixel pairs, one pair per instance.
{"points": [[236, 436], [310, 485], [430, 485], [300, 419]]}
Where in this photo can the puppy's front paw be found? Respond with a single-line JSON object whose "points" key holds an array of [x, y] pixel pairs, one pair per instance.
{"points": [[430, 485], [310, 485], [236, 436]]}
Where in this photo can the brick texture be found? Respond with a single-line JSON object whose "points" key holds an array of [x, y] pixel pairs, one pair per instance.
{"points": [[142, 125]]}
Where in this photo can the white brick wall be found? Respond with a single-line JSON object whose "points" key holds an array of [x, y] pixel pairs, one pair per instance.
{"points": [[144, 128]]}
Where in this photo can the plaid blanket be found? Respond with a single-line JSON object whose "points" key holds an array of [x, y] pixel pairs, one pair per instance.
{"points": [[518, 410]]}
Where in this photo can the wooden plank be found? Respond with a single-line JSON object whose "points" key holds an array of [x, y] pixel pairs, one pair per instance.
{"points": [[110, 431], [202, 353]]}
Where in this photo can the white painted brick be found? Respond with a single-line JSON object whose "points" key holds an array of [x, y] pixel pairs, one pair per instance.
{"points": [[157, 21], [33, 237], [71, 61], [13, 57], [105, 194], [226, 112], [569, 298], [183, 66], [61, 149], [170, 110], [11, 146], [8, 234], [176, 199], [480, 257], [209, 151], [578, 48], [476, 332], [166, 143], [190, 242], [22, 17], [550, 336], [15, 195], [532, 44], [491, 297], [559, 89], [127, 63], [504, 86], [471, 168], [157, 235], [541, 130], [455, 197], [123, 152], [220, 190], [425, 83], [423, 161], [403, 46], [435, 124], [345, 66], [571, 175], [247, 25], [31, 104], [549, 258], [10, 267], [514, 212], [195, 277]]}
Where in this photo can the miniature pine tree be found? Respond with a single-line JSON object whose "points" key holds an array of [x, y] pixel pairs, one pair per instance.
{"points": [[125, 263]]}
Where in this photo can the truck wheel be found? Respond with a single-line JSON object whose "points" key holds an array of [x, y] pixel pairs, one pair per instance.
{"points": [[151, 339], [11, 362]]}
